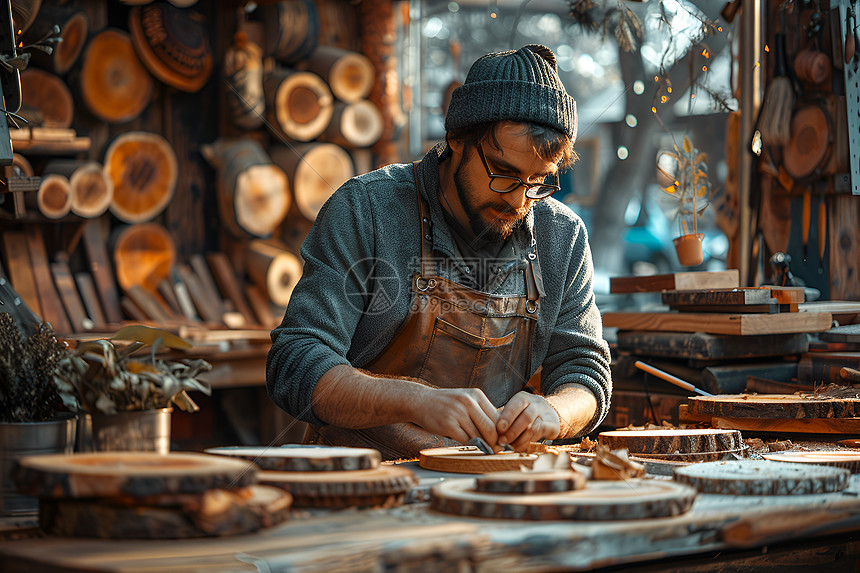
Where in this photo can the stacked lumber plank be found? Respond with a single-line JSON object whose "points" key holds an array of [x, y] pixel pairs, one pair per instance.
{"points": [[328, 477], [123, 495]]}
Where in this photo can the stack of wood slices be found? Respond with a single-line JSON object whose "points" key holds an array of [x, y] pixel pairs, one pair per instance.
{"points": [[122, 495], [328, 477]]}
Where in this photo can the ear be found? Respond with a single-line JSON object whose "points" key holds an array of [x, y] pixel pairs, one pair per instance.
{"points": [[456, 145]]}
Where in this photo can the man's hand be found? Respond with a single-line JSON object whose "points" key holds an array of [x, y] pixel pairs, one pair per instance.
{"points": [[527, 418], [460, 414]]}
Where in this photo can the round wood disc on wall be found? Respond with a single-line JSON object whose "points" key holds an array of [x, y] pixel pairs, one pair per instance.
{"points": [[143, 169], [350, 75], [276, 270], [291, 29], [809, 146], [115, 86], [757, 477], [773, 406], [315, 171], [597, 501], [354, 125], [363, 488], [304, 458], [54, 197], [521, 482], [92, 190], [117, 474], [74, 27], [48, 96], [849, 460], [144, 255], [216, 512], [470, 460], [173, 44], [299, 105], [672, 441]]}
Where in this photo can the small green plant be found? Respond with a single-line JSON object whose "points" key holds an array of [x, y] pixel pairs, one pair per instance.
{"points": [[683, 174]]}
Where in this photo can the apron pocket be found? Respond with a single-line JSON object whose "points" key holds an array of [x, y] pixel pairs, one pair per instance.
{"points": [[457, 358]]}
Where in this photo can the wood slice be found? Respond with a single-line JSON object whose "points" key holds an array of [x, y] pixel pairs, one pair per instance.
{"points": [[54, 197], [74, 27], [315, 171], [308, 488], [293, 458], [49, 96], [217, 512], [354, 125], [696, 457], [757, 477], [773, 406], [173, 44], [291, 29], [470, 460], [115, 86], [143, 255], [670, 441], [116, 474], [92, 189], [143, 169], [243, 74], [849, 460], [274, 269], [349, 75], [253, 193], [299, 105], [520, 482], [597, 501], [676, 281]]}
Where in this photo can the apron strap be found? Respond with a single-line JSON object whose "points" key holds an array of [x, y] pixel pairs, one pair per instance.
{"points": [[427, 266]]}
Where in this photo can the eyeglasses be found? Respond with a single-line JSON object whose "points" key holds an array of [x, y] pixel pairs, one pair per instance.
{"points": [[507, 183]]}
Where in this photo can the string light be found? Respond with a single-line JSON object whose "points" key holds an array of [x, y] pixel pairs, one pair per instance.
{"points": [[653, 109], [766, 48]]}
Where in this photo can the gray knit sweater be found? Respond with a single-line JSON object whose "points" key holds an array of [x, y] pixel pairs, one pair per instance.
{"points": [[359, 259]]}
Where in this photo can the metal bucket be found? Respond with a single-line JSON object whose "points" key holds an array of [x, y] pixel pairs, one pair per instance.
{"points": [[144, 431], [21, 439]]}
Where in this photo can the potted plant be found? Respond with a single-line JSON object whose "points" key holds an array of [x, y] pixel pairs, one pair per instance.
{"points": [[127, 390], [683, 174], [33, 418]]}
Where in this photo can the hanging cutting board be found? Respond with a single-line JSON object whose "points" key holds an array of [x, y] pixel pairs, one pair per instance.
{"points": [[471, 460], [849, 460], [762, 477], [113, 474], [384, 486], [686, 441], [217, 512], [520, 482], [293, 458], [597, 501], [794, 406]]}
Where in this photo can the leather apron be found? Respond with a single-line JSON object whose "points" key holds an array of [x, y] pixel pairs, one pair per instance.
{"points": [[453, 337]]}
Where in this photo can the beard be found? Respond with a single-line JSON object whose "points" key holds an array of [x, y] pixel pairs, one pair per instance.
{"points": [[490, 220]]}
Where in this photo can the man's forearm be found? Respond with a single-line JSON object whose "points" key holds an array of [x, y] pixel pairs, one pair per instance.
{"points": [[575, 405]]}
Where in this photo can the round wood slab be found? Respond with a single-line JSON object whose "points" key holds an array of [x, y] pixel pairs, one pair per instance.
{"points": [[530, 482], [773, 406], [138, 474], [385, 485], [693, 457], [304, 458], [762, 477], [849, 460], [217, 512], [672, 441], [598, 501], [471, 460]]}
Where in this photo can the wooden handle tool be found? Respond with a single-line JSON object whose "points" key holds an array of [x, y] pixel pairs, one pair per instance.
{"points": [[669, 378]]}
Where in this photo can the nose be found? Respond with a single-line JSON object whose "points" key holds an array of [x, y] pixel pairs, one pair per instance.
{"points": [[516, 198]]}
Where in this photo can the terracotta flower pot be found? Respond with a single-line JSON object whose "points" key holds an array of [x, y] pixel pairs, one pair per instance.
{"points": [[689, 249]]}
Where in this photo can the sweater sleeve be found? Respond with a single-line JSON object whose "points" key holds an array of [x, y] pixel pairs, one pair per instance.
{"points": [[577, 352], [326, 304]]}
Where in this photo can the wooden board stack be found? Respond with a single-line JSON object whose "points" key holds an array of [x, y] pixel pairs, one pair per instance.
{"points": [[328, 477], [712, 325], [121, 495]]}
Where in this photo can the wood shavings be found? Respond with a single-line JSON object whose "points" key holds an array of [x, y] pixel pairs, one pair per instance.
{"points": [[615, 465]]}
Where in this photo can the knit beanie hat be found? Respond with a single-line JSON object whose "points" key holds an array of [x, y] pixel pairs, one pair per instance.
{"points": [[521, 86]]}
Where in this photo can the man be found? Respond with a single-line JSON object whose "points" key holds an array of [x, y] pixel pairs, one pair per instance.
{"points": [[432, 292]]}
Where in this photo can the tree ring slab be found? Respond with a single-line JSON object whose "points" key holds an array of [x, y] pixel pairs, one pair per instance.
{"points": [[794, 406], [597, 501], [138, 474], [672, 441], [849, 460], [762, 477], [304, 458], [382, 486], [471, 460], [520, 482]]}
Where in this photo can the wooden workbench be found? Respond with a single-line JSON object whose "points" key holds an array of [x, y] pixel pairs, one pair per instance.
{"points": [[412, 537]]}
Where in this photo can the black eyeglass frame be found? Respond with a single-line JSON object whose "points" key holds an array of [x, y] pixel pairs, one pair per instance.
{"points": [[530, 193]]}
